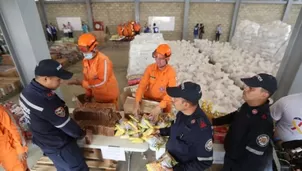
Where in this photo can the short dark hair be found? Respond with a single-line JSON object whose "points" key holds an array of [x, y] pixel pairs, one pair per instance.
{"points": [[154, 24]]}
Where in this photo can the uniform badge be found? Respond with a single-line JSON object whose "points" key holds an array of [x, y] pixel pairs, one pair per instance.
{"points": [[193, 121], [209, 145], [60, 112], [264, 116], [203, 124], [254, 111], [262, 140]]}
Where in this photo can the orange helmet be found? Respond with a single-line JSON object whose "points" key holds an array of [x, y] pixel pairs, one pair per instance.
{"points": [[87, 42], [163, 49]]}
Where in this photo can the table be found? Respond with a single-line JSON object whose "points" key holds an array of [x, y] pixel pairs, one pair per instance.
{"points": [[100, 141], [218, 153]]}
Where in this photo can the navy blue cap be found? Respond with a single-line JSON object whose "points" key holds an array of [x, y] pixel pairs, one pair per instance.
{"points": [[265, 81], [188, 90], [52, 68]]}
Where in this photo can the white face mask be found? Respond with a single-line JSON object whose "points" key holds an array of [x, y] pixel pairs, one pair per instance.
{"points": [[88, 55]]}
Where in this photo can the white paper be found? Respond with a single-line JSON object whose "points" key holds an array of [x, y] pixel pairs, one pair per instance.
{"points": [[113, 153], [218, 157]]}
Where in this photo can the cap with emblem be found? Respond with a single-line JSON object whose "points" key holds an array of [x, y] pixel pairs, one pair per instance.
{"points": [[188, 90], [265, 81], [52, 68]]}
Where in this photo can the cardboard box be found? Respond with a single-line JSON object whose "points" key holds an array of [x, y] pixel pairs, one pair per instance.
{"points": [[14, 82], [8, 71], [92, 153], [7, 60], [146, 105], [97, 128], [63, 62]]}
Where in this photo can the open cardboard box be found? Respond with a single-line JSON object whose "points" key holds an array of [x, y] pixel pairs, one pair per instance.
{"points": [[128, 102]]}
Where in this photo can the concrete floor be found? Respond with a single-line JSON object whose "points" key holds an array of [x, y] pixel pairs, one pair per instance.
{"points": [[119, 58]]}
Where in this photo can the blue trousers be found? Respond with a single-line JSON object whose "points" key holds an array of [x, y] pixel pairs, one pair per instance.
{"points": [[69, 158]]}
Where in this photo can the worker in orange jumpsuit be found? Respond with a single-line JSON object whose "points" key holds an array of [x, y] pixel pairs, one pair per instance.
{"points": [[156, 79], [12, 143], [120, 30], [99, 79], [137, 28]]}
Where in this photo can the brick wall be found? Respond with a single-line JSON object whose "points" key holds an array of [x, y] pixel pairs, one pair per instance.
{"points": [[66, 10], [293, 15], [164, 9], [113, 14], [211, 14], [261, 13]]}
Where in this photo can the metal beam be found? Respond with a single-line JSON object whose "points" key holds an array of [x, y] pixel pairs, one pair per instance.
{"points": [[137, 10], [213, 1], [287, 10], [235, 18], [186, 20], [197, 1], [43, 11], [264, 2], [23, 32], [89, 15], [291, 62]]}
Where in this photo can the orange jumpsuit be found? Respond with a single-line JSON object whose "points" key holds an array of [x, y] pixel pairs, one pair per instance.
{"points": [[12, 142], [120, 30], [99, 79], [137, 27], [154, 83]]}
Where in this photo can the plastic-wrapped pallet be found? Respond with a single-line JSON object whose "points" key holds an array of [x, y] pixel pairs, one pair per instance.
{"points": [[268, 40], [140, 53], [190, 65], [271, 40], [245, 32]]}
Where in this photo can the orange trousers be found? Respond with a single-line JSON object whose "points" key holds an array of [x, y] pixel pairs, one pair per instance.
{"points": [[10, 162]]}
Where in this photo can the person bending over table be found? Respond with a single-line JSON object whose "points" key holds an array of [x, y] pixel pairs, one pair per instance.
{"points": [[99, 79], [157, 77]]}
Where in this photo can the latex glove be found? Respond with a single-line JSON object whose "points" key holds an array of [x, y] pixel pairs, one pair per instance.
{"points": [[22, 157], [136, 108], [167, 169], [155, 113]]}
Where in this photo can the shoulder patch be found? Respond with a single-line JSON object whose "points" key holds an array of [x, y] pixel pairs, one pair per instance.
{"points": [[262, 140], [60, 111], [202, 124], [209, 145]]}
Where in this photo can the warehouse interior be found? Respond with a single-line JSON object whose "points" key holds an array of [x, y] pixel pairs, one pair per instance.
{"points": [[24, 42]]}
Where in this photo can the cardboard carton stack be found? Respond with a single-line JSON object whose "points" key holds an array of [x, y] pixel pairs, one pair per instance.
{"points": [[98, 117], [65, 53], [9, 77]]}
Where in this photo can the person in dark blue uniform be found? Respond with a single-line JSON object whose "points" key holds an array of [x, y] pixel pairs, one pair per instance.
{"points": [[52, 128], [251, 127], [190, 142]]}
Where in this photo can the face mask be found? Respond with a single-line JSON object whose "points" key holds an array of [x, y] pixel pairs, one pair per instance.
{"points": [[88, 55]]}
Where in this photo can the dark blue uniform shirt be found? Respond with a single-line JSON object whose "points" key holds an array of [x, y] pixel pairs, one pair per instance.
{"points": [[48, 117], [247, 141], [195, 31], [190, 141]]}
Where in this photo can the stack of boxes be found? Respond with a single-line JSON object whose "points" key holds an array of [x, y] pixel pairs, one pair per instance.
{"points": [[9, 78]]}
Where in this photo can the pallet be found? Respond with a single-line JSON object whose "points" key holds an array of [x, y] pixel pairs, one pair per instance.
{"points": [[45, 164]]}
